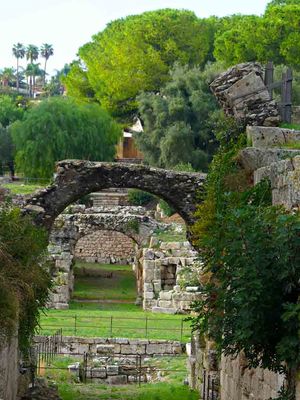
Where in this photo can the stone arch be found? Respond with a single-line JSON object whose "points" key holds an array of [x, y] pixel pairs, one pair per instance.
{"points": [[69, 228], [76, 178]]}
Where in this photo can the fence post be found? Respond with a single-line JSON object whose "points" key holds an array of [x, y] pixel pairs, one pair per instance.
{"points": [[140, 369], [286, 96], [204, 385], [269, 77], [111, 326], [146, 326], [181, 330], [75, 324]]}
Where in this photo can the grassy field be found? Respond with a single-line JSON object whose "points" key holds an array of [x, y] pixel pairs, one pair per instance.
{"points": [[114, 320], [112, 312], [21, 188], [104, 282], [173, 372]]}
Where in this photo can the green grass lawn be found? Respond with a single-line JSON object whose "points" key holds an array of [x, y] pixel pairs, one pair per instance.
{"points": [[173, 371], [121, 318], [127, 320], [104, 282], [21, 188]]}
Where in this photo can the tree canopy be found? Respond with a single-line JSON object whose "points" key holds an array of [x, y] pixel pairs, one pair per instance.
{"points": [[136, 53], [59, 128], [178, 121]]}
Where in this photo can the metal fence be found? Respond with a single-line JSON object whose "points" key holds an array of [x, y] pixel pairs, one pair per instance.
{"points": [[111, 326], [209, 387]]}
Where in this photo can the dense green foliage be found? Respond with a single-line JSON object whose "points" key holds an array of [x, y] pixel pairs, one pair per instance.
{"points": [[251, 255], [179, 121], [23, 281], [136, 53], [273, 36], [59, 128], [138, 197], [10, 111]]}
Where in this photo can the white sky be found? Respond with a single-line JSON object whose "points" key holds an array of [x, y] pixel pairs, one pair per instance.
{"points": [[68, 24]]}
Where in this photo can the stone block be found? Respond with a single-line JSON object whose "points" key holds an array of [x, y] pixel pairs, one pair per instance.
{"points": [[105, 348], [157, 348], [162, 310], [163, 295], [117, 380], [98, 372], [264, 137], [165, 303], [148, 295], [133, 349], [157, 286], [148, 287], [112, 369]]}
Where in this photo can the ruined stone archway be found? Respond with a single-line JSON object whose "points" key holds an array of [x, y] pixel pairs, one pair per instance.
{"points": [[76, 178], [69, 228]]}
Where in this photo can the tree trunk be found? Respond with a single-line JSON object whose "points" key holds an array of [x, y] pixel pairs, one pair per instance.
{"points": [[17, 74]]}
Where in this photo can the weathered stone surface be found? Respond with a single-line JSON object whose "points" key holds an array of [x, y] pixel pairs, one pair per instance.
{"points": [[252, 158], [266, 137], [241, 92], [9, 364], [117, 380], [164, 310], [76, 178]]}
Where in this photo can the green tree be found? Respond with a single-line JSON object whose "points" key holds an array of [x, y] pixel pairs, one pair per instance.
{"points": [[8, 77], [9, 112], [24, 282], [273, 36], [77, 83], [59, 128], [19, 52], [236, 39], [32, 53], [46, 52], [178, 121], [136, 53]]}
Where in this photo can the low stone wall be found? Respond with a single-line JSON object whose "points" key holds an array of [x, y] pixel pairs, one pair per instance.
{"points": [[107, 247], [117, 346]]}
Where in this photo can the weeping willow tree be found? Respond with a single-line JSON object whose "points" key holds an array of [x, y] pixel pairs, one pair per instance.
{"points": [[60, 128]]}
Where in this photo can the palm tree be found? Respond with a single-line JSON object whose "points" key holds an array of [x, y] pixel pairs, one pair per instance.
{"points": [[32, 53], [8, 77], [19, 52], [32, 71], [46, 52]]}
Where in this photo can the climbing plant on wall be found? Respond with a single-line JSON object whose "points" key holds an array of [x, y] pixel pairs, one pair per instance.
{"points": [[250, 281]]}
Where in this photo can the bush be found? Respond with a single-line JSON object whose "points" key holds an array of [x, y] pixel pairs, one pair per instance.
{"points": [[139, 198], [24, 283]]}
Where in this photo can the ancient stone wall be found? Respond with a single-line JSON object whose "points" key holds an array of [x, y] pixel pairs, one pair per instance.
{"points": [[164, 267], [9, 368], [269, 158], [107, 247], [118, 346], [78, 222]]}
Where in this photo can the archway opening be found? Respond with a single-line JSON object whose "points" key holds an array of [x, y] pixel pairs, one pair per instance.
{"points": [[104, 270]]}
